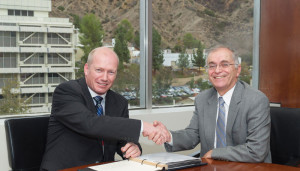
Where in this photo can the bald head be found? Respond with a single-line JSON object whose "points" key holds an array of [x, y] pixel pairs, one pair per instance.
{"points": [[103, 51]]}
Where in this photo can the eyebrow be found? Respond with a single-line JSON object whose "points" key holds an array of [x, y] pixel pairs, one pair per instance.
{"points": [[220, 62]]}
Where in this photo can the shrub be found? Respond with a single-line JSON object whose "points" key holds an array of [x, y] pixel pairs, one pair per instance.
{"points": [[61, 8]]}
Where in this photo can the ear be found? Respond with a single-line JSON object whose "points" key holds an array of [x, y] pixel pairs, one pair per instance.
{"points": [[238, 70], [86, 69]]}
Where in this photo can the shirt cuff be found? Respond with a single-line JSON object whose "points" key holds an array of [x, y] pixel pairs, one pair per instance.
{"points": [[142, 127], [171, 142]]}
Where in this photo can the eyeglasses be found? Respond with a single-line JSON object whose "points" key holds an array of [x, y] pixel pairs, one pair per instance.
{"points": [[221, 65]]}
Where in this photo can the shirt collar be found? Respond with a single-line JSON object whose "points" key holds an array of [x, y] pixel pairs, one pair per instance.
{"points": [[227, 96], [93, 94]]}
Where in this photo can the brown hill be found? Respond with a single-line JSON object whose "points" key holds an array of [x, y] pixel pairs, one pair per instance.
{"points": [[211, 21]]}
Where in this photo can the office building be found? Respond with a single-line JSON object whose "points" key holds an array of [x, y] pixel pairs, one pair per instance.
{"points": [[37, 50]]}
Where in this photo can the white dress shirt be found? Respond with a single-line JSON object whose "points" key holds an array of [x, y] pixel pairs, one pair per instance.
{"points": [[227, 98]]}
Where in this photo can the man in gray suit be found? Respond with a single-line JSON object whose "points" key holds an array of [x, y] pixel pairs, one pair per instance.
{"points": [[245, 126]]}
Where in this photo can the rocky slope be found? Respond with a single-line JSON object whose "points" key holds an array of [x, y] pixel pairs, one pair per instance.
{"points": [[211, 21]]}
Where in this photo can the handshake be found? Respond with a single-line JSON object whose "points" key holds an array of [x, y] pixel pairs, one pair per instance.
{"points": [[157, 132]]}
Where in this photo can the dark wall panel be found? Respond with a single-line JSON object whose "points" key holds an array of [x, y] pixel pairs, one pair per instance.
{"points": [[279, 75]]}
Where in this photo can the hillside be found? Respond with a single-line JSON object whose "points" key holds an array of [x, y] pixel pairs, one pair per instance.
{"points": [[211, 21]]}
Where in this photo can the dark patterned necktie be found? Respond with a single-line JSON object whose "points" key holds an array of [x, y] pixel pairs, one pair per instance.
{"points": [[221, 130], [99, 107]]}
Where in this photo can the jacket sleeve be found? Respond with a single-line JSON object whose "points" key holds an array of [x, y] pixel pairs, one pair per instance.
{"points": [[71, 109]]}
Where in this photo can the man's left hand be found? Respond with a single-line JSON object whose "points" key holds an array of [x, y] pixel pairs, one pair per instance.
{"points": [[131, 150], [208, 155]]}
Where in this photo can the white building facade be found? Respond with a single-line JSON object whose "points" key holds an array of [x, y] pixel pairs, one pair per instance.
{"points": [[171, 59], [35, 49]]}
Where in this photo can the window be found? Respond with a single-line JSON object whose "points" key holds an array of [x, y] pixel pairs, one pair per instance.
{"points": [[20, 12], [17, 12], [6, 77], [61, 38], [30, 13], [11, 12], [7, 39], [37, 98], [32, 38], [178, 79], [55, 78], [24, 13], [50, 95], [30, 58], [62, 58], [8, 60], [30, 78]]}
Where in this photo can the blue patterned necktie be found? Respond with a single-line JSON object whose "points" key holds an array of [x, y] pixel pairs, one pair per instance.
{"points": [[99, 107], [221, 129]]}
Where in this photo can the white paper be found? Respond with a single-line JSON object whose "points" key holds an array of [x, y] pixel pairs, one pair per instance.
{"points": [[124, 165]]}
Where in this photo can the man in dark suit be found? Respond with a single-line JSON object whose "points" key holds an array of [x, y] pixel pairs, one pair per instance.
{"points": [[76, 134], [231, 120]]}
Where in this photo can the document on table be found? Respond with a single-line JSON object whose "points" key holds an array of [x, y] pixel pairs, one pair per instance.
{"points": [[151, 162], [124, 165]]}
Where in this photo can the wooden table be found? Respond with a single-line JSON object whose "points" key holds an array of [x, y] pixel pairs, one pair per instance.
{"points": [[216, 165]]}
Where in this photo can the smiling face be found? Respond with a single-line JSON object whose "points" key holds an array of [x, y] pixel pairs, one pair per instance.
{"points": [[223, 79], [101, 70]]}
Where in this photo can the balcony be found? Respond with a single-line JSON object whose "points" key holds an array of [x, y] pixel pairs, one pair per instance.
{"points": [[9, 70], [32, 29], [33, 49], [60, 30]]}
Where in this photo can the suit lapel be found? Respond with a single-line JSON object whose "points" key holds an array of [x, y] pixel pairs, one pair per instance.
{"points": [[109, 104], [233, 110], [210, 114], [87, 95]]}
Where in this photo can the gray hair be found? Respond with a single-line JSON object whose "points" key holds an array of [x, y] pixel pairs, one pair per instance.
{"points": [[215, 48]]}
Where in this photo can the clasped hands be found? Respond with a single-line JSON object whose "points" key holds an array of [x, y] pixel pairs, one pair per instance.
{"points": [[157, 132]]}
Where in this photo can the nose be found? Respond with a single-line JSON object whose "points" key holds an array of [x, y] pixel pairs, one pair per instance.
{"points": [[104, 76], [218, 68]]}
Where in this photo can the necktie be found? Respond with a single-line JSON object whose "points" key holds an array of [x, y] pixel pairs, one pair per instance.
{"points": [[99, 107], [221, 130]]}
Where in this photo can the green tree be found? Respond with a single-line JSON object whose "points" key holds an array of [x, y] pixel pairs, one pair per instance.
{"points": [[157, 53], [136, 39], [128, 30], [189, 41], [192, 83], [203, 85], [245, 73], [12, 103], [162, 81], [127, 78], [198, 59], [76, 20], [247, 58], [178, 46], [183, 61], [91, 35], [123, 35]]}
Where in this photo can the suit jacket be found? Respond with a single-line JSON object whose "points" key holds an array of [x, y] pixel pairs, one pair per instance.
{"points": [[75, 130], [247, 130]]}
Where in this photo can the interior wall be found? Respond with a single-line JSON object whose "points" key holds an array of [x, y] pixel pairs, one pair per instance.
{"points": [[279, 68]]}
